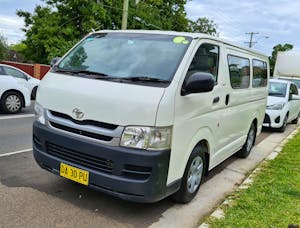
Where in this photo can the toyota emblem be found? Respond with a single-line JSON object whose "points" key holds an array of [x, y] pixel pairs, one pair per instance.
{"points": [[77, 113]]}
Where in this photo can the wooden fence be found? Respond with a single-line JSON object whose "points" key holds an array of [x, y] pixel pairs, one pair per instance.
{"points": [[34, 70]]}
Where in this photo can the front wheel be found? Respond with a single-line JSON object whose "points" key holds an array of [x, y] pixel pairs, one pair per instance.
{"points": [[193, 176], [245, 151], [11, 102], [284, 124], [295, 121]]}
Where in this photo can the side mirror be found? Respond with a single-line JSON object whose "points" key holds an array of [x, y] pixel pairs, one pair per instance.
{"points": [[295, 97], [199, 82], [54, 61]]}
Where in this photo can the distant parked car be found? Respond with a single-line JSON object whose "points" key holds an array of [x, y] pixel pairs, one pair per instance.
{"points": [[13, 95], [23, 78], [283, 105]]}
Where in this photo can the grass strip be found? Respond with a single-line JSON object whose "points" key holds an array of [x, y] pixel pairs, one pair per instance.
{"points": [[273, 199]]}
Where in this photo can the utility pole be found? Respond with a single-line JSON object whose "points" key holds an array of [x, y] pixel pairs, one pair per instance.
{"points": [[125, 14], [251, 38]]}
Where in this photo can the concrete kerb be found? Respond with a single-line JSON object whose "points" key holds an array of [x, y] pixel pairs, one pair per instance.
{"points": [[219, 213]]}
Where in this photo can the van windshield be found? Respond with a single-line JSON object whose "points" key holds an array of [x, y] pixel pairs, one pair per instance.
{"points": [[126, 56], [277, 89]]}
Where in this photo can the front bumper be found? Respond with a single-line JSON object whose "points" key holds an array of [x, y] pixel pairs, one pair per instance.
{"points": [[273, 118], [130, 174]]}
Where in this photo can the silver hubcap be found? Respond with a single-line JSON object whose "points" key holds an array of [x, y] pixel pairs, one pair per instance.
{"points": [[13, 103], [195, 174], [250, 139]]}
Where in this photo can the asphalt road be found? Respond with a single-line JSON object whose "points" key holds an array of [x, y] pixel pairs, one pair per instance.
{"points": [[43, 199]]}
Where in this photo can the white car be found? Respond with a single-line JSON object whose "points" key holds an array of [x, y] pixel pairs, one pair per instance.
{"points": [[23, 78], [13, 95], [283, 104]]}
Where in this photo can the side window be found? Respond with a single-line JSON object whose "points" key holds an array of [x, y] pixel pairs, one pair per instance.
{"points": [[239, 70], [13, 72], [260, 75], [206, 60], [293, 89]]}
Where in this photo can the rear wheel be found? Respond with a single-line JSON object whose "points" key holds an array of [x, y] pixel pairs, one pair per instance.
{"points": [[11, 102], [245, 151], [193, 176]]}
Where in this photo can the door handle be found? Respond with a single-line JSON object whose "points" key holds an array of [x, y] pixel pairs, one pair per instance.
{"points": [[216, 100], [227, 99]]}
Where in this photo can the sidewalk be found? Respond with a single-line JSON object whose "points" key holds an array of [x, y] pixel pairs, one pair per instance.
{"points": [[213, 192]]}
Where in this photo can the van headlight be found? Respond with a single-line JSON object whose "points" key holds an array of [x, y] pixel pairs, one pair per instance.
{"points": [[148, 138], [278, 106], [39, 113]]}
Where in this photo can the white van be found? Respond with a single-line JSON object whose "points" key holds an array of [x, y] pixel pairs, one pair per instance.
{"points": [[142, 115]]}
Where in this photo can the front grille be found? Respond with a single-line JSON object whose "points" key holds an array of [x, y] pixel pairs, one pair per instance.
{"points": [[80, 158], [80, 132], [267, 119], [85, 122]]}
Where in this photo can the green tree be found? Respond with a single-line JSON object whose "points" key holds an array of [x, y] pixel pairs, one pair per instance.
{"points": [[54, 28], [276, 49], [203, 25], [167, 15], [3, 47]]}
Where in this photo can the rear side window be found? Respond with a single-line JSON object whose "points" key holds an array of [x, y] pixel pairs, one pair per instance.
{"points": [[13, 72], [239, 71], [260, 75]]}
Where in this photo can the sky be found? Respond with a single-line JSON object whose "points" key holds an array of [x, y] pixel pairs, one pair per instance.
{"points": [[275, 21]]}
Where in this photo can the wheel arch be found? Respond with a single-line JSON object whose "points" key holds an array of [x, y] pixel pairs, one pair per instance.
{"points": [[204, 137], [15, 91], [205, 143]]}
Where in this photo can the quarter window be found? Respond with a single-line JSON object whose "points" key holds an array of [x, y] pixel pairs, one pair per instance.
{"points": [[2, 71], [205, 60], [260, 75]]}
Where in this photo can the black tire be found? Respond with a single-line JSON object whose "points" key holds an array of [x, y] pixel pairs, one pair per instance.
{"points": [[295, 121], [188, 191], [33, 93], [246, 149], [12, 102], [284, 124]]}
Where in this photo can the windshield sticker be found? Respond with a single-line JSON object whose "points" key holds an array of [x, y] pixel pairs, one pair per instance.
{"points": [[89, 39], [180, 40], [130, 42]]}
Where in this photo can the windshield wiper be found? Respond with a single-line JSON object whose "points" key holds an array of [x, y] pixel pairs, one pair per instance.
{"points": [[80, 72], [144, 79]]}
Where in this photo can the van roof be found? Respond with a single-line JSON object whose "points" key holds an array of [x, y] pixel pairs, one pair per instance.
{"points": [[190, 34]]}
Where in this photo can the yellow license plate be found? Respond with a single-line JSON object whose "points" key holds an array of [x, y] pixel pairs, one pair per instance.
{"points": [[74, 174]]}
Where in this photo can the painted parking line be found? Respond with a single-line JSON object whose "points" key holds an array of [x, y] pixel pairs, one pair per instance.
{"points": [[16, 117], [15, 152]]}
